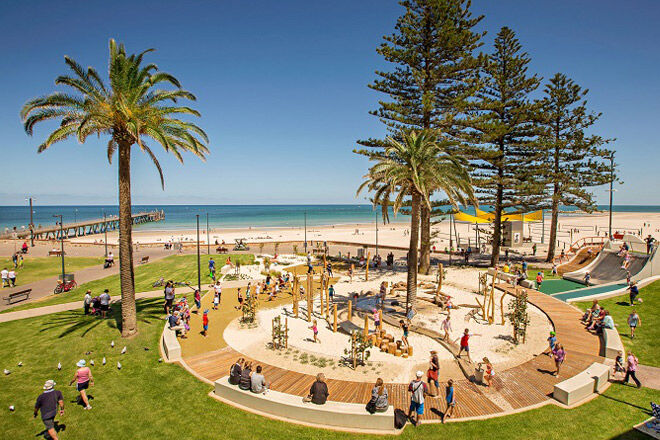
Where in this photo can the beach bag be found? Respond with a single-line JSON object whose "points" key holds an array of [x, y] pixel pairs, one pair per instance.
{"points": [[400, 419], [371, 406]]}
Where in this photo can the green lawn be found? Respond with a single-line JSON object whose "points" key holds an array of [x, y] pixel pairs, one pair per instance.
{"points": [[35, 269], [174, 267], [147, 399], [645, 345]]}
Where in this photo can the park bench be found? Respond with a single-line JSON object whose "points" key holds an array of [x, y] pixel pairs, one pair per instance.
{"points": [[144, 259], [22, 293], [611, 343], [592, 380], [221, 250], [55, 253], [338, 415], [170, 344]]}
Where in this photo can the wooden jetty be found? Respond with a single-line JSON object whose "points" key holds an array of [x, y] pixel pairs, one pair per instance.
{"points": [[80, 229]]}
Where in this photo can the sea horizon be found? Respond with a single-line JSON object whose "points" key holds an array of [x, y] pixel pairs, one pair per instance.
{"points": [[180, 217]]}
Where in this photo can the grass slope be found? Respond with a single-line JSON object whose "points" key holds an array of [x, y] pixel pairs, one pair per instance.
{"points": [[174, 267], [147, 399], [35, 269], [645, 344]]}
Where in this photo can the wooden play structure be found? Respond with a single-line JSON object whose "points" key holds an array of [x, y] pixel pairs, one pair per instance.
{"points": [[487, 308], [388, 344], [280, 333]]}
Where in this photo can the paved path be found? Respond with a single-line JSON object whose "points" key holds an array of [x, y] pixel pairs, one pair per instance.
{"points": [[47, 310], [649, 376], [44, 287]]}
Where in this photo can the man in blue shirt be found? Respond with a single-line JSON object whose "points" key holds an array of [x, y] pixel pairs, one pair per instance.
{"points": [[212, 268]]}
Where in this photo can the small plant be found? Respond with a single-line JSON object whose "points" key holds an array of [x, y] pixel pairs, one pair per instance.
{"points": [[295, 249], [359, 350], [518, 316], [304, 358], [261, 247]]}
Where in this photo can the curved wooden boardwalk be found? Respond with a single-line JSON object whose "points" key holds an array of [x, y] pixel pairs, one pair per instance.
{"points": [[526, 385]]}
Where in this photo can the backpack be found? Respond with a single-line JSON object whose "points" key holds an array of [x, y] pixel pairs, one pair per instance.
{"points": [[400, 419]]}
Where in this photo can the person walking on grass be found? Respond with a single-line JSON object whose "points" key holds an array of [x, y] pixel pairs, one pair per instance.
{"points": [[634, 321], [634, 292], [631, 369], [87, 301], [418, 390], [212, 268], [83, 378], [205, 322], [450, 399], [12, 277], [104, 300], [47, 403], [315, 329], [5, 277], [198, 301], [559, 354]]}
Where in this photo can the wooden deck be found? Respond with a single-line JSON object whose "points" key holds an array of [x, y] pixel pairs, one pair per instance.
{"points": [[525, 385]]}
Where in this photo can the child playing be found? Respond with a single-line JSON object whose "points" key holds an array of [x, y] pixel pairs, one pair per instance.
{"points": [[205, 322], [559, 355], [587, 278], [465, 339], [216, 301], [619, 367], [331, 292], [554, 269], [446, 327], [450, 399], [489, 373], [240, 299], [376, 314], [316, 332], [633, 322], [552, 340], [539, 280], [405, 327]]}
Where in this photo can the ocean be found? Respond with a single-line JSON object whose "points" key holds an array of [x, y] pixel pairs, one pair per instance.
{"points": [[226, 216]]}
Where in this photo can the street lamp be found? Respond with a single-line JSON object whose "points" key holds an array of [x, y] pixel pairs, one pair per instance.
{"points": [[376, 232], [305, 231], [199, 273], [31, 226], [208, 240], [105, 233], [611, 191], [61, 241]]}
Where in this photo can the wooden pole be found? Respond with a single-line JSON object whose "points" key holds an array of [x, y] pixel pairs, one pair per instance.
{"points": [[350, 309], [440, 270], [366, 325], [309, 297], [322, 280], [286, 332], [334, 324], [366, 272], [352, 270]]}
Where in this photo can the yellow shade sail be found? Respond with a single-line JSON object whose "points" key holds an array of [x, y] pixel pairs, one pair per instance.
{"points": [[488, 217]]}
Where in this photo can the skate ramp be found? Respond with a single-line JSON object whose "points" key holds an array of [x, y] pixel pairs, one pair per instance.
{"points": [[606, 268]]}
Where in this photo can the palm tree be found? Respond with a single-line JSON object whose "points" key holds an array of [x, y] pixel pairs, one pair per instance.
{"points": [[411, 169], [129, 109]]}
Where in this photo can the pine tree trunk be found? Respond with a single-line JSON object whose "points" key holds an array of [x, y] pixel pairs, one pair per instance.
{"points": [[126, 273], [411, 290], [554, 223], [425, 240], [497, 227]]}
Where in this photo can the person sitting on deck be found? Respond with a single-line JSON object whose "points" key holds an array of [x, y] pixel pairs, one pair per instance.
{"points": [[235, 371], [379, 398], [318, 393]]}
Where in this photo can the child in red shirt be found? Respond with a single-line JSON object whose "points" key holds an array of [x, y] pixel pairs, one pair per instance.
{"points": [[205, 321], [465, 346]]}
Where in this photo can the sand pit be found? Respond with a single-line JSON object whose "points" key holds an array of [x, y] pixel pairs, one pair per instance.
{"points": [[305, 356]]}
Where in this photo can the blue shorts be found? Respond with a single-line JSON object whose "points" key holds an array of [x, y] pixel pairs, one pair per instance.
{"points": [[417, 407], [466, 348], [206, 327]]}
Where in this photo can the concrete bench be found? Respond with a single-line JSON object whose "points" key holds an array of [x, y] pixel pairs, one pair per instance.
{"points": [[593, 379], [339, 415], [170, 344], [612, 344]]}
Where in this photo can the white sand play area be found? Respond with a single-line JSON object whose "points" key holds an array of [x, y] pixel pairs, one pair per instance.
{"points": [[303, 355]]}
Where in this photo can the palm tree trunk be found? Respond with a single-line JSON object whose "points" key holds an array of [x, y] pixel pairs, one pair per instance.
{"points": [[425, 241], [411, 289], [126, 273]]}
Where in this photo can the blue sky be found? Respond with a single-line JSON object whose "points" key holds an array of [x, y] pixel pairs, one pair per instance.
{"points": [[282, 87]]}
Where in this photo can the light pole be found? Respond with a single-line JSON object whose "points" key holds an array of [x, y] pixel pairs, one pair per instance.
{"points": [[105, 234], [31, 226], [61, 242], [199, 273], [611, 192], [376, 233], [208, 240], [75, 215], [305, 231]]}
